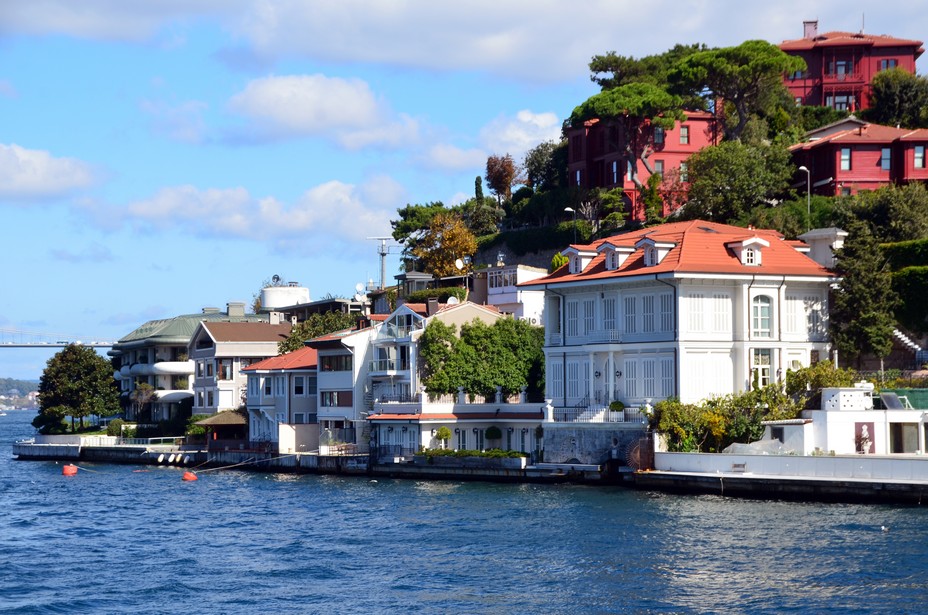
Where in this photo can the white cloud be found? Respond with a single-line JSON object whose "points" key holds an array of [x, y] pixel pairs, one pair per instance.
{"points": [[107, 19], [345, 110], [451, 158], [516, 135], [27, 174], [327, 215]]}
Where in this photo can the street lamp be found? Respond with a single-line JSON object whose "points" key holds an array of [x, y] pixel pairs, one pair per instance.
{"points": [[574, 212], [808, 194]]}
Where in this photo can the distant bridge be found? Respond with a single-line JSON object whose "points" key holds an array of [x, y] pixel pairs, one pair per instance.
{"points": [[20, 338]]}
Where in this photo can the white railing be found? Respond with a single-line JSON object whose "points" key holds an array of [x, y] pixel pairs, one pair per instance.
{"points": [[598, 414]]}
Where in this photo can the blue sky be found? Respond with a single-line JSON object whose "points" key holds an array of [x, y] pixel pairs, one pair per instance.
{"points": [[158, 157]]}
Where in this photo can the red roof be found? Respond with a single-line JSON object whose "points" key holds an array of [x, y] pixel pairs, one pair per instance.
{"points": [[868, 134], [701, 247], [849, 39], [304, 358]]}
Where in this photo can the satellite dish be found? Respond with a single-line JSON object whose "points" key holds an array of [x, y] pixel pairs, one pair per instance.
{"points": [[358, 297], [275, 279], [459, 264], [452, 301], [359, 287]]}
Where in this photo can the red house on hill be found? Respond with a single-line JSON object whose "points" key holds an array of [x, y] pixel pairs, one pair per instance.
{"points": [[863, 157], [841, 65], [596, 154]]}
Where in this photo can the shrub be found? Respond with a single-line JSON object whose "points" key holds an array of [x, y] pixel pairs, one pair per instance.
{"points": [[442, 294], [115, 427]]}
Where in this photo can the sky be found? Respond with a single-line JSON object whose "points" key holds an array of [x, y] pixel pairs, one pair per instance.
{"points": [[162, 156]]}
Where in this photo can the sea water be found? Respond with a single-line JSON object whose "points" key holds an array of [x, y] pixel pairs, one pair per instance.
{"points": [[138, 539]]}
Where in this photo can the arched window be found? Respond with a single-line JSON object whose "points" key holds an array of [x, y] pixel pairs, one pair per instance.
{"points": [[761, 317], [650, 256]]}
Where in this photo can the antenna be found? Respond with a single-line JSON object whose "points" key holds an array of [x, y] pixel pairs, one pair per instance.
{"points": [[383, 251]]}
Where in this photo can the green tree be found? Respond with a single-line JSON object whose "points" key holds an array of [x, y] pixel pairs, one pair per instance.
{"points": [[557, 261], [507, 354], [634, 110], [482, 217], [861, 317], [893, 213], [611, 70], [443, 434], [742, 76], [314, 326], [730, 179], [446, 240], [413, 222], [541, 164], [76, 383], [898, 98]]}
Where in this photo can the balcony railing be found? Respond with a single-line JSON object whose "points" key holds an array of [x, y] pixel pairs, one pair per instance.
{"points": [[841, 77], [388, 365], [396, 331], [598, 414]]}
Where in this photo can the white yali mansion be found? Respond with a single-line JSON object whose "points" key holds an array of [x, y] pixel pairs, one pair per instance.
{"points": [[686, 309]]}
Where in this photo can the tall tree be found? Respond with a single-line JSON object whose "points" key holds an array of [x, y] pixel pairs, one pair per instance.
{"points": [[540, 164], [635, 110], [413, 222], [611, 70], [898, 98], [446, 240], [501, 172], [861, 317], [76, 383], [742, 76], [730, 179]]}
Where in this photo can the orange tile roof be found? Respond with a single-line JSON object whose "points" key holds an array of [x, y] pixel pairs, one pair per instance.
{"points": [[247, 331], [304, 358], [700, 249]]}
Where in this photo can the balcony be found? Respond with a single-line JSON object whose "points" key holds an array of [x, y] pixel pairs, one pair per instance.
{"points": [[831, 78], [599, 414], [391, 331]]}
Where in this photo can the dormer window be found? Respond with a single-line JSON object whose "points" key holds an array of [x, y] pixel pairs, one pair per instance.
{"points": [[653, 252], [615, 255], [650, 256], [749, 251]]}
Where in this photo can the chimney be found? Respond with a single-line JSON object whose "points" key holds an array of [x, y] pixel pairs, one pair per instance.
{"points": [[210, 310], [431, 306], [810, 29], [235, 309], [274, 318]]}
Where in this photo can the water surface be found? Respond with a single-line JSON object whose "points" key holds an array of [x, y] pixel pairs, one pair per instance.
{"points": [[137, 539]]}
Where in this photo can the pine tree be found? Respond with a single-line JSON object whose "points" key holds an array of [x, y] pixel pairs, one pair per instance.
{"points": [[862, 319]]}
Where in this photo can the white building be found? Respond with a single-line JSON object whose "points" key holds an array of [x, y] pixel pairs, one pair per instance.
{"points": [[406, 418], [282, 401], [156, 353], [847, 423], [686, 309], [498, 285], [220, 350]]}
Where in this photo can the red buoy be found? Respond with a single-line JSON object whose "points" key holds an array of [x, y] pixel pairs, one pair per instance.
{"points": [[189, 476], [69, 470]]}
